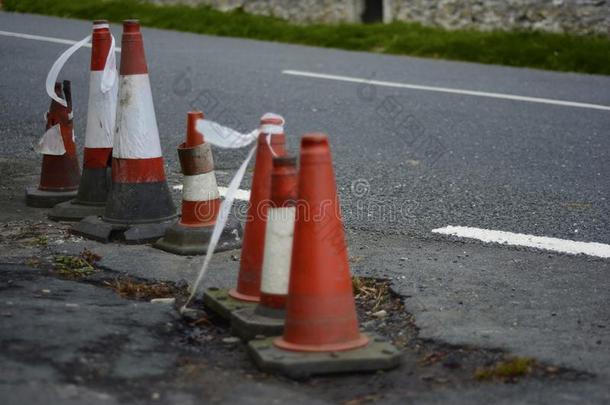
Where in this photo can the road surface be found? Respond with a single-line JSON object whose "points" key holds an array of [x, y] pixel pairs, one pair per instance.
{"points": [[418, 145]]}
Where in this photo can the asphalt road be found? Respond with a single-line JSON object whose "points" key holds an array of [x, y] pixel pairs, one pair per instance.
{"points": [[430, 159], [535, 168]]}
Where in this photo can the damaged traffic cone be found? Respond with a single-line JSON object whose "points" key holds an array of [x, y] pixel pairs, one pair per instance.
{"points": [[200, 200], [321, 333], [267, 318], [95, 181], [139, 207], [271, 140], [60, 172]]}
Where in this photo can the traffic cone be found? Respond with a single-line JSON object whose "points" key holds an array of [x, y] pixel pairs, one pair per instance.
{"points": [[249, 279], [60, 173], [200, 200], [95, 181], [267, 318], [139, 207], [321, 332]]}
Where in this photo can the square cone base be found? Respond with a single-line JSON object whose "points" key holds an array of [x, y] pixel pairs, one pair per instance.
{"points": [[46, 199], [376, 355], [252, 322], [73, 211], [185, 240], [222, 304], [97, 229]]}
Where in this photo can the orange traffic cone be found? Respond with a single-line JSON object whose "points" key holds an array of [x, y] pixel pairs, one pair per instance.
{"points": [[267, 318], [60, 171], [320, 312], [139, 207], [95, 181], [271, 140], [200, 200]]}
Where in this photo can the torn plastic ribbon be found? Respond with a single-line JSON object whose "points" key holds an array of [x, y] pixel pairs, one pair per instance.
{"points": [[109, 77], [225, 137], [51, 143]]}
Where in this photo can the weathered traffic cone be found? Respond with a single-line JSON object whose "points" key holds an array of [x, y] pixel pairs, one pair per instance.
{"points": [[267, 318], [200, 200], [321, 333], [139, 207], [95, 181], [247, 291], [60, 172]]}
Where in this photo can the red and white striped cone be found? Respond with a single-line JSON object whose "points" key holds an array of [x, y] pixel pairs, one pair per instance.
{"points": [[271, 141], [200, 200], [95, 181], [60, 172], [267, 318], [139, 207]]}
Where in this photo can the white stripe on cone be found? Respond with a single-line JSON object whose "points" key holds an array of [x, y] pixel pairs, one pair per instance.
{"points": [[278, 250], [137, 136], [101, 113], [200, 187]]}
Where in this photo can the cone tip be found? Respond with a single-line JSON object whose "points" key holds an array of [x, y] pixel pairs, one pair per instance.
{"points": [[314, 139], [193, 137], [272, 119], [193, 116], [132, 25], [96, 22]]}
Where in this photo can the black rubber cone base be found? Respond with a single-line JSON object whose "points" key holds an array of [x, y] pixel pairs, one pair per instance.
{"points": [[184, 240], [222, 304], [97, 229], [251, 322], [46, 199], [73, 211], [376, 355]]}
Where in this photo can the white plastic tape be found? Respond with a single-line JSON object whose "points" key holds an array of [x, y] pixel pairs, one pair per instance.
{"points": [[224, 137], [51, 143], [278, 250], [136, 135], [223, 216], [110, 74], [110, 77], [200, 187], [101, 112], [272, 129]]}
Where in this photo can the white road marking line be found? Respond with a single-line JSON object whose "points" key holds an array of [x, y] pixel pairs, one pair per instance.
{"points": [[520, 239], [447, 90], [240, 195], [45, 39]]}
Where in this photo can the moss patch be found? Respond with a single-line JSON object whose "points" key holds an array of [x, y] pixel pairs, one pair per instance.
{"points": [[507, 370]]}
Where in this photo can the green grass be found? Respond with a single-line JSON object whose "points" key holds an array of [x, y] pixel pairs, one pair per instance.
{"points": [[590, 54]]}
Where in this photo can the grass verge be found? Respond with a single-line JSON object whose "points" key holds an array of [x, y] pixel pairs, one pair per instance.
{"points": [[589, 54]]}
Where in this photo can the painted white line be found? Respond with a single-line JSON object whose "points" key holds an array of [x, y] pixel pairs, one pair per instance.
{"points": [[240, 195], [446, 90], [44, 39], [520, 239]]}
